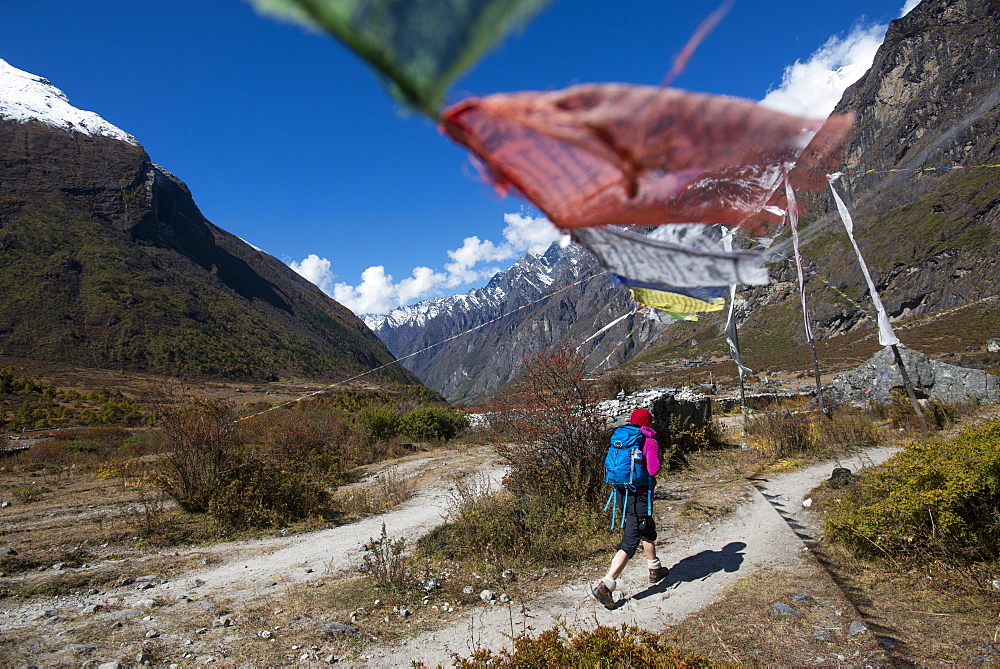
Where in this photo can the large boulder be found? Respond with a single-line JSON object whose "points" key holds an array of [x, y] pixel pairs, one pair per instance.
{"points": [[876, 378]]}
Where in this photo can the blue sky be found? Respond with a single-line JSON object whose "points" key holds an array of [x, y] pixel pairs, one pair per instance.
{"points": [[287, 140]]}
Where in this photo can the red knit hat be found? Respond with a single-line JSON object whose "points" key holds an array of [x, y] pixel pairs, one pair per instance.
{"points": [[641, 417]]}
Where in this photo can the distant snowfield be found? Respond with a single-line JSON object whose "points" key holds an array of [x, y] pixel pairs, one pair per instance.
{"points": [[25, 96]]}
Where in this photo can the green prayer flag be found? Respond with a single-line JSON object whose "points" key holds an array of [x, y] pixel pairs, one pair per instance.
{"points": [[419, 46]]}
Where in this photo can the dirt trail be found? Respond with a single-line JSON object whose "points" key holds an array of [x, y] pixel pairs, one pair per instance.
{"points": [[240, 570], [702, 565], [286, 561]]}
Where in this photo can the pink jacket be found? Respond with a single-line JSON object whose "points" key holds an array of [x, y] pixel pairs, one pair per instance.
{"points": [[651, 451]]}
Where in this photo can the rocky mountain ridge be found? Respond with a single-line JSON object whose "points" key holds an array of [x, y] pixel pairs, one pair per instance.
{"points": [[930, 238], [108, 262], [560, 295], [926, 217]]}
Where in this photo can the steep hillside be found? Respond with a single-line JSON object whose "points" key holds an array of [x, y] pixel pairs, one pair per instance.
{"points": [[931, 237], [107, 262], [530, 305]]}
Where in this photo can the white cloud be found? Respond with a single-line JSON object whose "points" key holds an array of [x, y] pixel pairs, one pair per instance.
{"points": [[910, 4], [476, 260], [527, 233], [315, 269], [814, 88]]}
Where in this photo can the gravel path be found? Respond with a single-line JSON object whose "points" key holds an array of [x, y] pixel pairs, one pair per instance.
{"points": [[757, 535]]}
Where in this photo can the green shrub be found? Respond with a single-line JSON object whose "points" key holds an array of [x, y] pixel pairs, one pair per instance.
{"points": [[511, 531], [939, 498], [626, 646], [263, 494], [379, 422], [433, 423]]}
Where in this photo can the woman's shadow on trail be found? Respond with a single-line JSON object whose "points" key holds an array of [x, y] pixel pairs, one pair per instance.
{"points": [[699, 567]]}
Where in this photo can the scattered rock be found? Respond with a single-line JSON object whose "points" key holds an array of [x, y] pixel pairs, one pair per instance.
{"points": [[58, 566], [148, 578], [856, 628], [265, 634], [505, 598], [800, 597], [468, 590], [7, 550], [126, 581], [79, 648], [144, 657], [224, 621], [430, 584], [784, 609], [144, 586], [152, 634], [51, 613], [123, 614], [509, 575], [201, 630], [92, 608], [268, 584], [886, 642], [487, 595], [113, 664], [197, 583], [146, 603], [996, 584], [333, 629], [822, 635]]}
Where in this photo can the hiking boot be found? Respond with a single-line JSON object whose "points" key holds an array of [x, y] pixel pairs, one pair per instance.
{"points": [[657, 575], [603, 595]]}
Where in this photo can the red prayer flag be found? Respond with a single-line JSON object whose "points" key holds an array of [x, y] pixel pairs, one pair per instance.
{"points": [[601, 154]]}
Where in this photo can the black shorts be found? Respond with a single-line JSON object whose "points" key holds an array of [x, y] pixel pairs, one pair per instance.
{"points": [[639, 526]]}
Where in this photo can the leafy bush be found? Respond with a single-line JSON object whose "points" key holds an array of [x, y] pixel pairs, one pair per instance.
{"points": [[244, 478], [379, 422], [626, 646], [263, 493], [433, 423], [939, 498], [845, 430]]}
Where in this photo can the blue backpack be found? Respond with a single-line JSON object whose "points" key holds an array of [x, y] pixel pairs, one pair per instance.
{"points": [[625, 467]]}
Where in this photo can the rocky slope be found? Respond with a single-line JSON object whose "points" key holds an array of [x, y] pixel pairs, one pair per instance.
{"points": [[522, 309], [931, 237], [108, 262]]}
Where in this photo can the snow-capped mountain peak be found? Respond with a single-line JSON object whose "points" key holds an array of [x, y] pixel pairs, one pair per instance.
{"points": [[25, 96], [532, 275]]}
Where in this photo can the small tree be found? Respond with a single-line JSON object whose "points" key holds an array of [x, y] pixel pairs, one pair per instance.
{"points": [[548, 429], [200, 444]]}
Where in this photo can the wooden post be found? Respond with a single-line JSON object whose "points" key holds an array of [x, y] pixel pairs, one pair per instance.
{"points": [[909, 387]]}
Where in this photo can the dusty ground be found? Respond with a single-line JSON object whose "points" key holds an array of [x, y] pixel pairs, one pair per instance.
{"points": [[736, 548]]}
